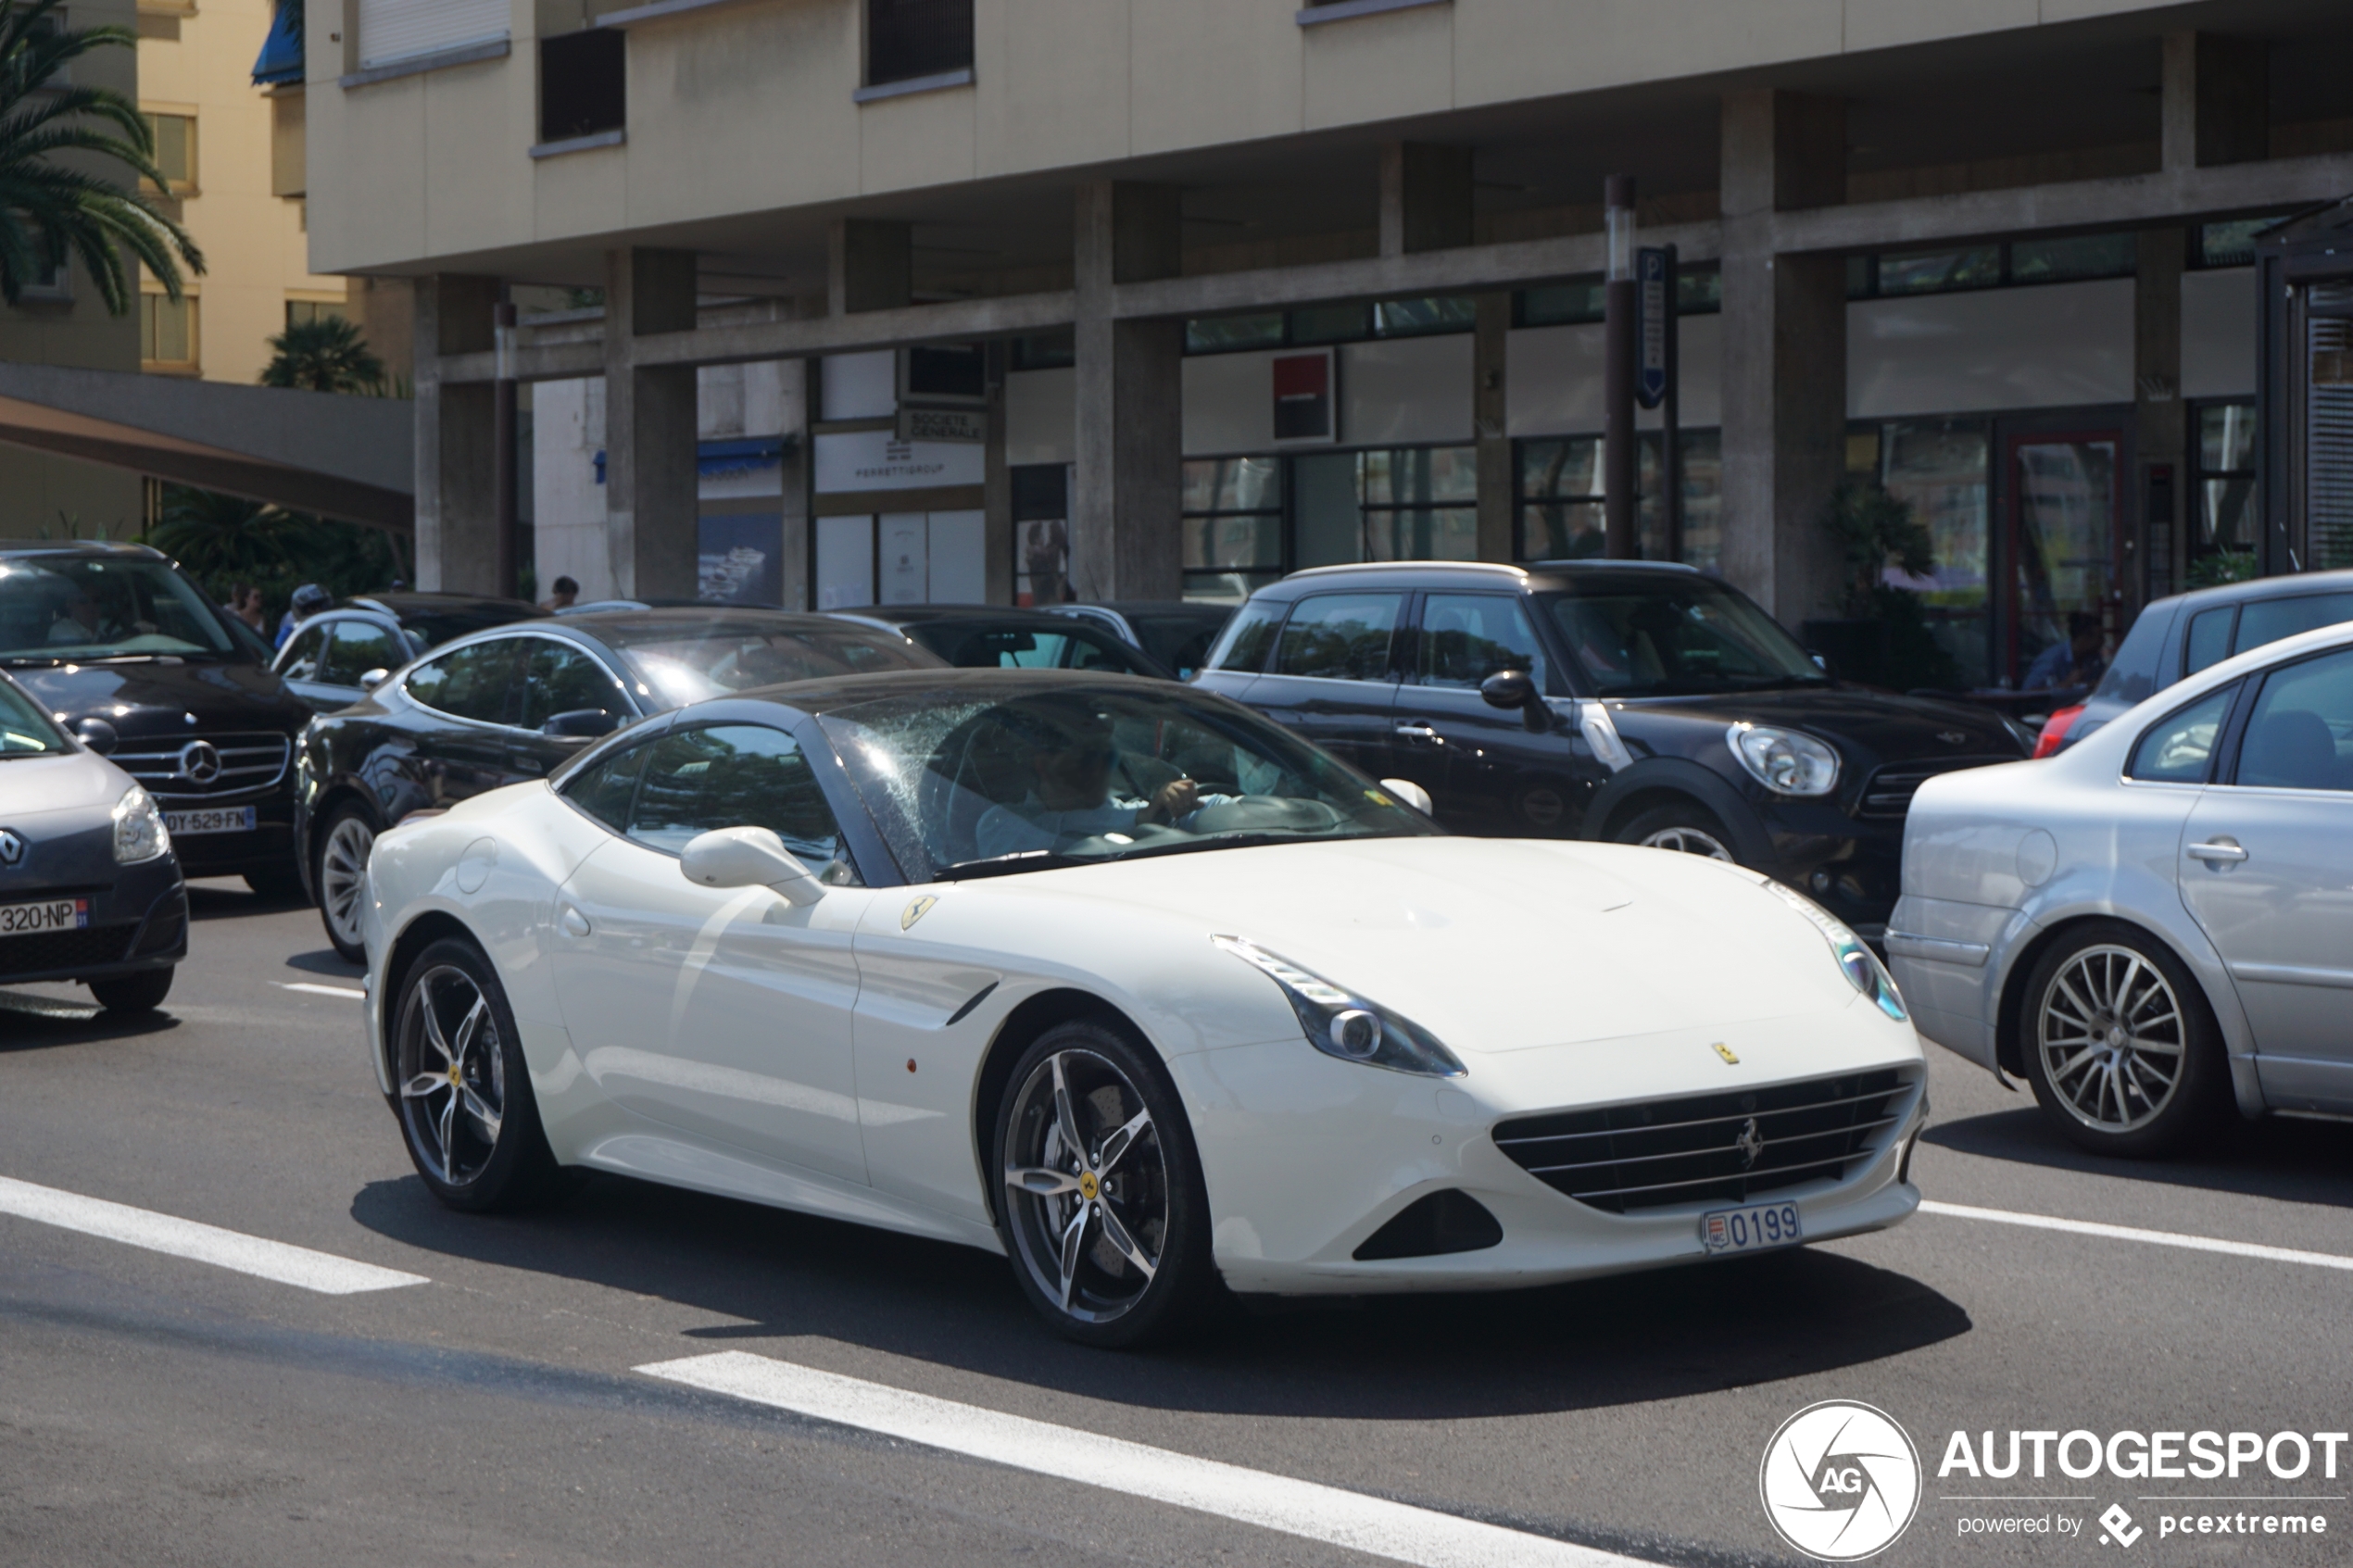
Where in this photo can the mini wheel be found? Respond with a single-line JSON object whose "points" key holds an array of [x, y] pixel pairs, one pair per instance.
{"points": [[1681, 825]]}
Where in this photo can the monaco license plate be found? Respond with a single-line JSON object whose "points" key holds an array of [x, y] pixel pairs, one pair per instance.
{"points": [[48, 914], [219, 819], [1750, 1230]]}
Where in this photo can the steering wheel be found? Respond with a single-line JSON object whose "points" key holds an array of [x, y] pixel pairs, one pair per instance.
{"points": [[1266, 813]]}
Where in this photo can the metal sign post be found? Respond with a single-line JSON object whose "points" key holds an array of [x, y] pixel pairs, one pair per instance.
{"points": [[1622, 537], [1657, 383]]}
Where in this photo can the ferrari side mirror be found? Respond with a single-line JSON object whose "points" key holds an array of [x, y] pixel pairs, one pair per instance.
{"points": [[749, 858]]}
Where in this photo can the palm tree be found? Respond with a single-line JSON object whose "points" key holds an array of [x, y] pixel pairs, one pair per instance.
{"points": [[50, 211], [326, 355]]}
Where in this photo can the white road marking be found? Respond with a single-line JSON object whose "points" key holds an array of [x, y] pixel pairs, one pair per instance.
{"points": [[279, 1261], [307, 988], [1342, 1518], [2126, 1233]]}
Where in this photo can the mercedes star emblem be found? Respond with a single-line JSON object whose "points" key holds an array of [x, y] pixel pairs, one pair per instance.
{"points": [[199, 763]]}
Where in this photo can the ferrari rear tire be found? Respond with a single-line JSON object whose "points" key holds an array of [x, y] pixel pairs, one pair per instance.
{"points": [[1682, 825], [2121, 1050], [461, 1088], [1101, 1208]]}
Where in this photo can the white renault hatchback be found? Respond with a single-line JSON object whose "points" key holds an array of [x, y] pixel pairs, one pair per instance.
{"points": [[2156, 924]]}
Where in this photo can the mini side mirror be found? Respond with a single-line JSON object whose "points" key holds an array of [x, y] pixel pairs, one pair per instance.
{"points": [[749, 858], [1410, 792], [373, 678], [581, 723], [1517, 688], [95, 734]]}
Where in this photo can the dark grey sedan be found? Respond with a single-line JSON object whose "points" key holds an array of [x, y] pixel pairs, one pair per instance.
{"points": [[90, 890]]}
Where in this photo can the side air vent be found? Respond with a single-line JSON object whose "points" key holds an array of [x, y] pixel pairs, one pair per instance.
{"points": [[1443, 1222]]}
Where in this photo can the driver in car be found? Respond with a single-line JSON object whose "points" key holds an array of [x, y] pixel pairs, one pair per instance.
{"points": [[79, 621], [1071, 798]]}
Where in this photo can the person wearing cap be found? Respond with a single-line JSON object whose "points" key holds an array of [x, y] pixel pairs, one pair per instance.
{"points": [[309, 600]]}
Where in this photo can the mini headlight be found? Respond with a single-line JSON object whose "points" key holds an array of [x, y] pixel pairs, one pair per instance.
{"points": [[1339, 1023], [139, 832], [1856, 960], [1784, 761]]}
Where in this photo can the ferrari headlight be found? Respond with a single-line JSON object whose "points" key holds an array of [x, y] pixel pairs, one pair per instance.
{"points": [[1855, 961], [1784, 761], [139, 832], [1340, 1022]]}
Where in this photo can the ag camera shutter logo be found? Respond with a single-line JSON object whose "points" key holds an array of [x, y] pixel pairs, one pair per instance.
{"points": [[1839, 1481]]}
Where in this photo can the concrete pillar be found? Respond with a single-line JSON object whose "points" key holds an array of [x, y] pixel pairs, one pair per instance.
{"points": [[1129, 440], [1489, 410], [2216, 100], [1784, 326], [793, 587], [457, 506], [869, 266], [996, 492], [1425, 197], [651, 489], [2156, 540]]}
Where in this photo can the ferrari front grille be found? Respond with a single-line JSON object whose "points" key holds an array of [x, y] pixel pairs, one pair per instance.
{"points": [[1710, 1148]]}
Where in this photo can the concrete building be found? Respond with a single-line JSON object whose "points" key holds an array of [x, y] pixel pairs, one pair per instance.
{"points": [[1140, 297]]}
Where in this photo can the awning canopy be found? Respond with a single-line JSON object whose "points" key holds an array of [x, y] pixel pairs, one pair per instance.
{"points": [[281, 59]]}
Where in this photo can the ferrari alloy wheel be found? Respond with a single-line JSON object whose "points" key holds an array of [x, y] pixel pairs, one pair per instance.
{"points": [[2120, 1048], [1682, 827], [342, 880], [1101, 1208], [461, 1092]]}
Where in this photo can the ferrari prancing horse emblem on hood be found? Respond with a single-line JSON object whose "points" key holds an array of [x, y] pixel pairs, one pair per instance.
{"points": [[916, 912]]}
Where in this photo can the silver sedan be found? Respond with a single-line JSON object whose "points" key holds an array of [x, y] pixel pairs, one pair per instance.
{"points": [[2156, 924]]}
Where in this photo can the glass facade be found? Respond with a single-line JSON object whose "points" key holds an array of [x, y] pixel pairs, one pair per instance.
{"points": [[1248, 521], [1560, 497], [1943, 468], [2229, 513]]}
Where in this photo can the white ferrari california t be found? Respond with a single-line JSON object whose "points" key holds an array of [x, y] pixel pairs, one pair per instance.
{"points": [[1124, 981]]}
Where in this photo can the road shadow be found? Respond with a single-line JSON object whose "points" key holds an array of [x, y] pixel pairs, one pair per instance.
{"points": [[1630, 1339], [229, 898], [31, 1021], [2280, 1157], [327, 961]]}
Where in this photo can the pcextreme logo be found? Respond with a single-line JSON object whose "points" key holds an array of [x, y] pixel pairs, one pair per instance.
{"points": [[1839, 1481]]}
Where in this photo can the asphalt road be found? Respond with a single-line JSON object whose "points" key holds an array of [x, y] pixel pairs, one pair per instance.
{"points": [[156, 1409]]}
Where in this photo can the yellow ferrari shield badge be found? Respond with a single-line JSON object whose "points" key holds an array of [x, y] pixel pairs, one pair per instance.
{"points": [[1725, 1052], [916, 912]]}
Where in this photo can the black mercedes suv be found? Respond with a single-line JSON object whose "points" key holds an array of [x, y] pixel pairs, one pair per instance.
{"points": [[126, 652], [1639, 702]]}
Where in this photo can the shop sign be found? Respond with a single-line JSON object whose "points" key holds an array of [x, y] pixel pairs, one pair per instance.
{"points": [[1303, 403], [852, 460], [1653, 286], [919, 423]]}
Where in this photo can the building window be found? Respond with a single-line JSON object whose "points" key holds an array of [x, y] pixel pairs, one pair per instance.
{"points": [[1248, 521], [302, 312], [583, 83], [2229, 514], [2070, 260], [1420, 503], [1042, 351], [1559, 501], [1699, 290], [175, 137], [908, 39], [1233, 526], [1332, 323], [1041, 532], [168, 333]]}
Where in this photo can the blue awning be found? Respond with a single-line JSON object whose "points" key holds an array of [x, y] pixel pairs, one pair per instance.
{"points": [[281, 58], [716, 460]]}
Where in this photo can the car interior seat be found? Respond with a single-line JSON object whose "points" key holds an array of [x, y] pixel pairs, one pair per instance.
{"points": [[2291, 748]]}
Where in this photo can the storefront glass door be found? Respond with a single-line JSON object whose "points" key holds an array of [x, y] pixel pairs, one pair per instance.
{"points": [[2062, 540]]}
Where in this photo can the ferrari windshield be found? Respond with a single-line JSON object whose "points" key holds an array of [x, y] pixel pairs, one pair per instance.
{"points": [[1043, 771], [1660, 634], [66, 608], [677, 664]]}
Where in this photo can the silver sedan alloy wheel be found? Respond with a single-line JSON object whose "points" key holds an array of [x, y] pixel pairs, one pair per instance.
{"points": [[1689, 841], [2111, 1031], [343, 876], [453, 1074], [1087, 1181]]}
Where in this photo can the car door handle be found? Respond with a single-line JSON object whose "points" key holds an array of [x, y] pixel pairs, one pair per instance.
{"points": [[2220, 850], [1416, 730]]}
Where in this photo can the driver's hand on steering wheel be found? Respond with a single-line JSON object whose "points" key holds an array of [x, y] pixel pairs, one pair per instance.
{"points": [[1176, 798]]}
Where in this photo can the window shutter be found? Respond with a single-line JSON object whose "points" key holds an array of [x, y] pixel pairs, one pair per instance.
{"points": [[398, 30]]}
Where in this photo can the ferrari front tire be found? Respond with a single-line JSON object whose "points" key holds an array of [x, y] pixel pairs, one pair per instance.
{"points": [[1101, 1205], [461, 1090]]}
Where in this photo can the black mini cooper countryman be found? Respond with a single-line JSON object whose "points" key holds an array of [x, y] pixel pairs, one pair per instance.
{"points": [[1639, 702]]}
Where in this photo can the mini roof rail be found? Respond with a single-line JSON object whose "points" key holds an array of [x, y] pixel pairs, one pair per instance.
{"points": [[1588, 562]]}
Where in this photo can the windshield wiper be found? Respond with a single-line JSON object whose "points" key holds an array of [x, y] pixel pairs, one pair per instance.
{"points": [[1019, 860]]}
